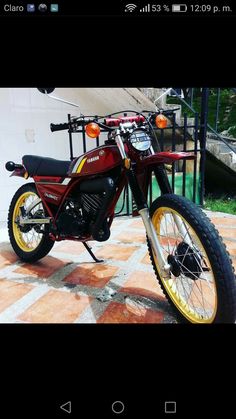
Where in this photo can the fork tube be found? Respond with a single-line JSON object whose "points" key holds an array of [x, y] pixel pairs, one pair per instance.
{"points": [[144, 212], [70, 138], [152, 236], [136, 190], [162, 179], [120, 145]]}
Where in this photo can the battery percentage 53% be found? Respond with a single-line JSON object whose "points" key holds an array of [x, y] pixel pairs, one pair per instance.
{"points": [[160, 8]]}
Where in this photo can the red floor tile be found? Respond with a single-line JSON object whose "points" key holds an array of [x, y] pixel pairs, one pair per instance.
{"points": [[91, 275], [144, 284], [56, 307], [227, 232], [7, 257], [10, 292], [129, 313], [131, 238], [146, 259], [225, 221], [43, 268], [71, 247], [116, 252], [231, 247]]}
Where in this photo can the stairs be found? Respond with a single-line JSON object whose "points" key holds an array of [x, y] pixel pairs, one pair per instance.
{"points": [[221, 151], [153, 93], [217, 148]]}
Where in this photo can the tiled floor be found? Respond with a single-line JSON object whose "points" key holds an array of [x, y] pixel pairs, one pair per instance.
{"points": [[68, 287]]}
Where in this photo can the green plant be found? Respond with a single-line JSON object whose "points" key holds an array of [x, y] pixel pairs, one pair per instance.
{"points": [[223, 204], [227, 108]]}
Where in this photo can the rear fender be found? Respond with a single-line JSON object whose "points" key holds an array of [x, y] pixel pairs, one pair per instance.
{"points": [[20, 173], [16, 169]]}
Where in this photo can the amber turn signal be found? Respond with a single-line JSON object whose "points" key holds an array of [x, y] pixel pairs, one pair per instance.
{"points": [[92, 130], [161, 121]]}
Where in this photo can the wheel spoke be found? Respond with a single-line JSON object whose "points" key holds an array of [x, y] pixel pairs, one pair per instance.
{"points": [[28, 240], [193, 290]]}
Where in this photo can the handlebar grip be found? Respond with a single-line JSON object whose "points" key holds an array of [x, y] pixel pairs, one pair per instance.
{"points": [[59, 127]]}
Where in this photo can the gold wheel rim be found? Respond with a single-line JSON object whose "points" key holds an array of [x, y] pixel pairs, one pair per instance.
{"points": [[26, 241], [195, 299]]}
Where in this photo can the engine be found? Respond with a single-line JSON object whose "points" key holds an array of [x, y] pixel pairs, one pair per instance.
{"points": [[90, 204], [70, 221], [96, 197], [87, 214]]}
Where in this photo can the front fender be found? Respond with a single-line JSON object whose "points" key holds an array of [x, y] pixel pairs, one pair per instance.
{"points": [[167, 157]]}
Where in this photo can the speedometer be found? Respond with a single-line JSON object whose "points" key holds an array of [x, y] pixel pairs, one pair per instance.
{"points": [[140, 140]]}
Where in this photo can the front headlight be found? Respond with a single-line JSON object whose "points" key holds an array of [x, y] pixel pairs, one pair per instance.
{"points": [[140, 140]]}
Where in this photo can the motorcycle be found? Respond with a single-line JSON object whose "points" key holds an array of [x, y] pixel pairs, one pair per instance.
{"points": [[76, 199]]}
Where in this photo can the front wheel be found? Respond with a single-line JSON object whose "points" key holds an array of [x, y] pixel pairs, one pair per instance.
{"points": [[30, 242], [201, 286]]}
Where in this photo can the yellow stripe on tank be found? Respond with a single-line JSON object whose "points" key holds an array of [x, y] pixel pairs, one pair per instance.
{"points": [[81, 165]]}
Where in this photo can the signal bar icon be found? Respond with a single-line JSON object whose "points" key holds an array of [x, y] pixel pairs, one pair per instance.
{"points": [[146, 8]]}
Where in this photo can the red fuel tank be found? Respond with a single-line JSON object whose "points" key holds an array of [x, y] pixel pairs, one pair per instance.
{"points": [[98, 160]]}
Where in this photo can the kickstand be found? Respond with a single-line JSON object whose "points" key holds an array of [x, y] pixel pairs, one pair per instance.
{"points": [[89, 249]]}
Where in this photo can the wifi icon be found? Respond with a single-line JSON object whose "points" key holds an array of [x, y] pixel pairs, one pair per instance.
{"points": [[130, 7]]}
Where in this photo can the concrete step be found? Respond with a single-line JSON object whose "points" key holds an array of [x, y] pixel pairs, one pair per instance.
{"points": [[180, 118], [222, 153]]}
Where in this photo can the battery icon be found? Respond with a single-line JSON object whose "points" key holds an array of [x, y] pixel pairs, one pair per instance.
{"points": [[179, 7]]}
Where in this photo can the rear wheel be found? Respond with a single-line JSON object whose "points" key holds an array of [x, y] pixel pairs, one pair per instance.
{"points": [[31, 242], [201, 286]]}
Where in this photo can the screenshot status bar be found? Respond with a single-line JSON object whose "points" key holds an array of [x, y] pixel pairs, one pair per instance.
{"points": [[119, 8]]}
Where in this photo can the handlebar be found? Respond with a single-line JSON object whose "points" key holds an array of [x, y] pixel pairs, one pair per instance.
{"points": [[108, 122], [115, 122], [59, 127], [74, 123]]}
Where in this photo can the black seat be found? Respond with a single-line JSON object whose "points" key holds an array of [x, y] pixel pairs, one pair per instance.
{"points": [[45, 166]]}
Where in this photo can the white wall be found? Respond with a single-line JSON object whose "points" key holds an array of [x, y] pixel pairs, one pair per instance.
{"points": [[25, 117]]}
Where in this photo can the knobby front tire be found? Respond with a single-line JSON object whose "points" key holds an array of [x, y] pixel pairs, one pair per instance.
{"points": [[30, 244], [201, 287]]}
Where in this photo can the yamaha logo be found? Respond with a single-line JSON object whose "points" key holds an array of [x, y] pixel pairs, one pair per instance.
{"points": [[49, 195], [93, 159]]}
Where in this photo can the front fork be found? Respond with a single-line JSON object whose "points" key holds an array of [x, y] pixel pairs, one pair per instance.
{"points": [[153, 239], [142, 207], [165, 188], [144, 212], [150, 229]]}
